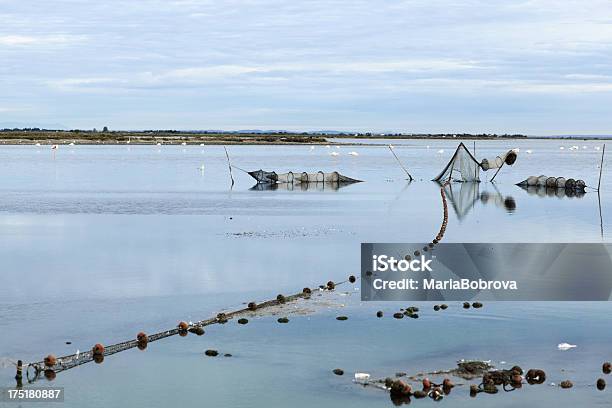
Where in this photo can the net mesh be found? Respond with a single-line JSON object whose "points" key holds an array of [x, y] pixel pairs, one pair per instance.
{"points": [[461, 167]]}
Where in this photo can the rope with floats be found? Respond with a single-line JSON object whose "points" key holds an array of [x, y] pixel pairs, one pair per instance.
{"points": [[52, 365]]}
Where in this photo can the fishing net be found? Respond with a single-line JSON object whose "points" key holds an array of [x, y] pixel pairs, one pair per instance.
{"points": [[508, 158], [461, 167], [319, 177], [264, 176]]}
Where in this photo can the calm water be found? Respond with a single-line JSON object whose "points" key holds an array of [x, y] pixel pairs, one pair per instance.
{"points": [[100, 242]]}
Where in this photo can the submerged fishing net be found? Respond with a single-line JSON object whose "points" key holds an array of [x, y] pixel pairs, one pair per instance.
{"points": [[463, 166], [319, 177]]}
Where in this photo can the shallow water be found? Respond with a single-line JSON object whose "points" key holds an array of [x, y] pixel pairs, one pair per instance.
{"points": [[100, 242]]}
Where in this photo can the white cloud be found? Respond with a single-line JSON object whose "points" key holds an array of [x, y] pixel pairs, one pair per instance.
{"points": [[41, 40]]}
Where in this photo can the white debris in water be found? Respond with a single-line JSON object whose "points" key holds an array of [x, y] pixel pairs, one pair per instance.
{"points": [[529, 151], [353, 154], [440, 151], [335, 154], [565, 346], [561, 148], [597, 147], [362, 377], [502, 362]]}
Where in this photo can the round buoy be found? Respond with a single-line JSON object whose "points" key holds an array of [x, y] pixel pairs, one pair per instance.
{"points": [[280, 298], [183, 326], [282, 320], [341, 318], [142, 337], [443, 306], [601, 384], [551, 182], [566, 384], [307, 291], [490, 388], [510, 158], [211, 353], [243, 321], [142, 345], [338, 371], [50, 360], [379, 313], [400, 388], [606, 368], [473, 390], [447, 383], [50, 375], [98, 349], [426, 384], [535, 376], [570, 184], [331, 285], [398, 315], [419, 394], [352, 279], [198, 330], [476, 305], [252, 306], [466, 305], [436, 308]]}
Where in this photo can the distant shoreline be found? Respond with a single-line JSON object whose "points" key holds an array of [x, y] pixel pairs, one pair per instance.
{"points": [[51, 137]]}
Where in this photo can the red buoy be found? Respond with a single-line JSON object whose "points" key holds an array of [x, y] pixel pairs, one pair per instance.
{"points": [[50, 360], [98, 349]]}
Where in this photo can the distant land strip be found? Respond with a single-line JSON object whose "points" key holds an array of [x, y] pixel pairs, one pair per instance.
{"points": [[93, 137]]}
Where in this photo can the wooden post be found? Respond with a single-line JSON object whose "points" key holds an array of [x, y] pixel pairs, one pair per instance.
{"points": [[500, 167], [603, 151], [229, 164], [400, 163], [19, 375]]}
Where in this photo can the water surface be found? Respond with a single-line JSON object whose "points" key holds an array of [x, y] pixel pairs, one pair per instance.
{"points": [[100, 242]]}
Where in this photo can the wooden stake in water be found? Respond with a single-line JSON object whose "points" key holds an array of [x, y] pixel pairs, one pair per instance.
{"points": [[400, 163], [603, 152], [229, 164]]}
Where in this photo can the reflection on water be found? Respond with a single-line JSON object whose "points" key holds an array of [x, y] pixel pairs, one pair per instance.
{"points": [[464, 196], [314, 186], [543, 191]]}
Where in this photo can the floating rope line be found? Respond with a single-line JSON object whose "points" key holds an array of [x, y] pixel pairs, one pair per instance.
{"points": [[52, 365], [445, 216]]}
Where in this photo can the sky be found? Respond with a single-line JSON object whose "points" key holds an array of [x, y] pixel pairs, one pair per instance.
{"points": [[532, 67]]}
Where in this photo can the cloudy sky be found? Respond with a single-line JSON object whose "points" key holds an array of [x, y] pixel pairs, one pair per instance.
{"points": [[536, 67]]}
